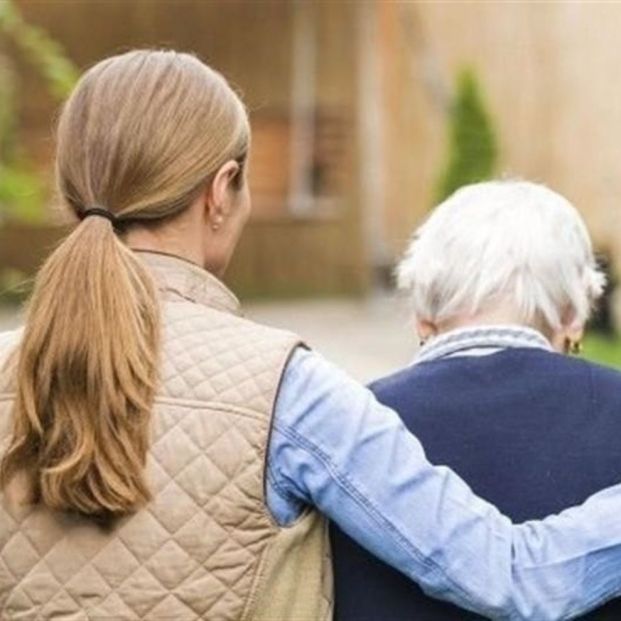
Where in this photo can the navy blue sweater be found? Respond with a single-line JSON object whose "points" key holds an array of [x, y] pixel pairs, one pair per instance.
{"points": [[531, 431]]}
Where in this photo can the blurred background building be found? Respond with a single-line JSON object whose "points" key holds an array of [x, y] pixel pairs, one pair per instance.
{"points": [[353, 113]]}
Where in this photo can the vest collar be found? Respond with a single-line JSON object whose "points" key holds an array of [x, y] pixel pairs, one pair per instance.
{"points": [[189, 281]]}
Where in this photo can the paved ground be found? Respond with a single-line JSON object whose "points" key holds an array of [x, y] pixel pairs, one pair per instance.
{"points": [[367, 338]]}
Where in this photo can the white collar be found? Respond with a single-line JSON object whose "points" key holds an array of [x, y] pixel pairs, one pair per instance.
{"points": [[483, 339]]}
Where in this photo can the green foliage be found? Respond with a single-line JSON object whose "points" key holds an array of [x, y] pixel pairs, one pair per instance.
{"points": [[22, 193], [40, 49], [603, 349], [473, 148], [22, 190]]}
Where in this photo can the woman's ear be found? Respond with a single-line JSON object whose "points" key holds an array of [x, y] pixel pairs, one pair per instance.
{"points": [[219, 194]]}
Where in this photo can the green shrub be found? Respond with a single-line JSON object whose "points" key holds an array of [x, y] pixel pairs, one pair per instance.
{"points": [[22, 193], [46, 54], [22, 188], [473, 149]]}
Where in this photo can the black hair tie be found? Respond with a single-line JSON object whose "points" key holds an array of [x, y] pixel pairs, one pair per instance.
{"points": [[101, 212]]}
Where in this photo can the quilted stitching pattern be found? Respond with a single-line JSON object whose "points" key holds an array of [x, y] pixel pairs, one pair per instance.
{"points": [[194, 552]]}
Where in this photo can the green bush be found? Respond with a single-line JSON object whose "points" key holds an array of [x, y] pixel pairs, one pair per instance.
{"points": [[22, 189], [46, 54], [473, 149], [22, 193]]}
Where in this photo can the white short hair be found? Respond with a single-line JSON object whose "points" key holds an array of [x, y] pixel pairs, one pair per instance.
{"points": [[513, 243]]}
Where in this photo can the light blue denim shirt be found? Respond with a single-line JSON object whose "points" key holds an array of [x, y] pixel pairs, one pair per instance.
{"points": [[333, 446]]}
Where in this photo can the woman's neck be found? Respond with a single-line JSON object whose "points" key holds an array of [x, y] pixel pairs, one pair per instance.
{"points": [[494, 317], [498, 316], [167, 240]]}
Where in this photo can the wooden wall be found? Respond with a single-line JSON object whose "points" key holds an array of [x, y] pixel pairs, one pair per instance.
{"points": [[548, 71], [251, 43], [299, 257]]}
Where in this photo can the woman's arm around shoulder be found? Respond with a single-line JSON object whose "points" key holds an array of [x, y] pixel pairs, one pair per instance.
{"points": [[335, 447]]}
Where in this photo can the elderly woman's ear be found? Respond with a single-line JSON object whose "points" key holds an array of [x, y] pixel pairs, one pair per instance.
{"points": [[575, 337], [568, 339], [426, 330]]}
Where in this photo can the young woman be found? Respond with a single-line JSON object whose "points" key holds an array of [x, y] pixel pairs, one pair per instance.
{"points": [[164, 458]]}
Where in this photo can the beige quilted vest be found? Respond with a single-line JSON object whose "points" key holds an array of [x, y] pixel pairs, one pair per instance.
{"points": [[206, 547]]}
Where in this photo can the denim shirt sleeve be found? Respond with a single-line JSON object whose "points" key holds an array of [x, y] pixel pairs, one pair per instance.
{"points": [[333, 446]]}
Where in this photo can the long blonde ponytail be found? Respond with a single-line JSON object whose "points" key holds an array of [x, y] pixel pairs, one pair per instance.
{"points": [[141, 135]]}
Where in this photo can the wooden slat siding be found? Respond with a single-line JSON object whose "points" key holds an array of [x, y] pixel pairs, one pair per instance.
{"points": [[298, 258], [271, 153], [24, 248], [276, 258], [332, 137], [269, 158], [251, 44]]}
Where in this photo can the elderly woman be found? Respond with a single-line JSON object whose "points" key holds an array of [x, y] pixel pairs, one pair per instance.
{"points": [[501, 279]]}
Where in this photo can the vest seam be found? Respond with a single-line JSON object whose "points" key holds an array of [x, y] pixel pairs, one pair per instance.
{"points": [[270, 425], [257, 580], [261, 577], [274, 527]]}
